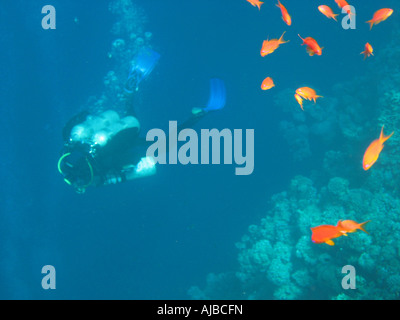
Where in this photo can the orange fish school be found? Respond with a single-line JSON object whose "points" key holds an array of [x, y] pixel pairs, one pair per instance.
{"points": [[325, 233]]}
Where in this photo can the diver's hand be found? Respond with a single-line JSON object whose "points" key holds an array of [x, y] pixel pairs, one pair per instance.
{"points": [[145, 167]]}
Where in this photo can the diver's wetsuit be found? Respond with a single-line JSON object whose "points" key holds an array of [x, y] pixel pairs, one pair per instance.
{"points": [[113, 162], [107, 149]]}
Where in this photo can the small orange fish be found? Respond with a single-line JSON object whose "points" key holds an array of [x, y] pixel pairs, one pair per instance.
{"points": [[285, 15], [379, 16], [256, 3], [308, 93], [270, 46], [299, 100], [327, 11], [368, 51], [312, 46], [373, 150], [267, 84], [349, 226], [325, 233], [342, 4]]}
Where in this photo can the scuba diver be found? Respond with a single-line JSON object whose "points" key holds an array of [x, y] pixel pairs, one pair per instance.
{"points": [[107, 148]]}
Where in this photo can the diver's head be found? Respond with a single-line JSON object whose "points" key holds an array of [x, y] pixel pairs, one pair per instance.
{"points": [[77, 169]]}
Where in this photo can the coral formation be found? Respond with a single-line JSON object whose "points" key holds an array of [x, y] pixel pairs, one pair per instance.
{"points": [[279, 257]]}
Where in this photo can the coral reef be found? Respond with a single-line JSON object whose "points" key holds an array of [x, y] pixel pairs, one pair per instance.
{"points": [[277, 259]]}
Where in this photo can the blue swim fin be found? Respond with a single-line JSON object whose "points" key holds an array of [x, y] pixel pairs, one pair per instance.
{"points": [[144, 63], [217, 95]]}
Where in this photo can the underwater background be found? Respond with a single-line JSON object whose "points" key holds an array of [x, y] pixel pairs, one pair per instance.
{"points": [[200, 231]]}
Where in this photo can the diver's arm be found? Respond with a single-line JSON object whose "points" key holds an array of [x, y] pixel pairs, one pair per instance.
{"points": [[144, 168]]}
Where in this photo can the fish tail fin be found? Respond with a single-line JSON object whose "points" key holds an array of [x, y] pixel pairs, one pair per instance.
{"points": [[371, 23], [279, 5], [383, 138], [281, 40], [259, 5], [334, 16], [316, 97], [362, 226], [365, 54]]}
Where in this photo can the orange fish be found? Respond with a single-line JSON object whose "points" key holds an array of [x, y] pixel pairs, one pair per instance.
{"points": [[349, 226], [307, 93], [285, 15], [270, 46], [299, 100], [342, 4], [325, 233], [256, 3], [368, 51], [379, 16], [267, 84], [312, 46], [327, 11], [374, 149]]}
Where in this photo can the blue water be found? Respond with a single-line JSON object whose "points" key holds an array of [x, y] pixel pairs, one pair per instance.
{"points": [[154, 238]]}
